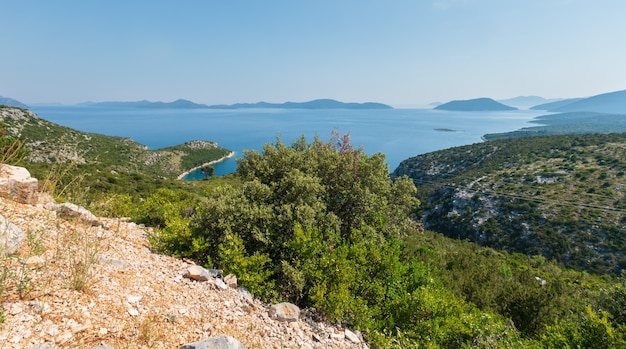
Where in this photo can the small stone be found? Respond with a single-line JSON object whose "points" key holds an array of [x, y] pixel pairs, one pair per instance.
{"points": [[40, 307], [198, 273], [103, 331], [133, 312], [284, 312], [219, 283], [34, 261], [219, 342], [14, 308], [352, 337], [64, 337], [11, 237], [134, 299], [338, 336], [231, 281]]}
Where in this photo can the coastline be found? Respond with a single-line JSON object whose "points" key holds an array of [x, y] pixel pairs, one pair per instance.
{"points": [[227, 156]]}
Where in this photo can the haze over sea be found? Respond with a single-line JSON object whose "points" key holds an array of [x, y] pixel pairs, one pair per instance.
{"points": [[398, 133]]}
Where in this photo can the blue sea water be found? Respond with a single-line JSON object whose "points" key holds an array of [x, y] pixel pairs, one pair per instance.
{"points": [[398, 133]]}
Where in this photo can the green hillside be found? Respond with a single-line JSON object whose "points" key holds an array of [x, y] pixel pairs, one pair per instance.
{"points": [[103, 163], [562, 197]]}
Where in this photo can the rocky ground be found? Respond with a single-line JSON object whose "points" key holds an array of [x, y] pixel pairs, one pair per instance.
{"points": [[79, 285]]}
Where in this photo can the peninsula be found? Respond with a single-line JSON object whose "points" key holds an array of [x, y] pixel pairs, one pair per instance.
{"points": [[186, 173]]}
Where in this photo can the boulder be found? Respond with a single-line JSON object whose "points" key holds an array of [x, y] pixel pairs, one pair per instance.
{"points": [[17, 184], [287, 312], [11, 237], [69, 210], [198, 273], [219, 342]]}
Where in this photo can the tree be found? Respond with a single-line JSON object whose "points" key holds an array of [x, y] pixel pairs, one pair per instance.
{"points": [[208, 171], [328, 187]]}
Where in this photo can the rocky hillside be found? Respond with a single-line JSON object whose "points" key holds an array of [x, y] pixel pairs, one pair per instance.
{"points": [[562, 197], [77, 281], [52, 143]]}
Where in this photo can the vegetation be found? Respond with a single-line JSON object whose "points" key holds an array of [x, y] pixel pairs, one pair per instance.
{"points": [[323, 225], [568, 124], [561, 197], [98, 166]]}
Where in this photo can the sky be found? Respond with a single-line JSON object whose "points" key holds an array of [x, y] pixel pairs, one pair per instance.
{"points": [[398, 52]]}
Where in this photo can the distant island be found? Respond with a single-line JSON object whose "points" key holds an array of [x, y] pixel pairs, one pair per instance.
{"points": [[177, 104], [478, 104], [612, 102], [526, 101], [10, 102], [314, 104], [185, 104], [556, 105]]}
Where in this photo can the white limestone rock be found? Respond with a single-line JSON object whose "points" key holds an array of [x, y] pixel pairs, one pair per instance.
{"points": [[17, 184], [286, 312], [11, 237]]}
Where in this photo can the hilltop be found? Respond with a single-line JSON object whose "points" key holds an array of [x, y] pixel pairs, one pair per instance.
{"points": [[10, 102], [526, 101], [478, 104]]}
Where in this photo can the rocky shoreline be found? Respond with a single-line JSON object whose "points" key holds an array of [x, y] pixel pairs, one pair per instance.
{"points": [[186, 173]]}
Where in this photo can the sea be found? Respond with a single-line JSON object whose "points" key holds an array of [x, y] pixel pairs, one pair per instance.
{"points": [[397, 133]]}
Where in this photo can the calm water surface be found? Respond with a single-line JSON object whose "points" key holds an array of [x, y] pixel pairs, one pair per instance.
{"points": [[398, 133]]}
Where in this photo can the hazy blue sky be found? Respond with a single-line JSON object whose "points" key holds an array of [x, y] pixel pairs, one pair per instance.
{"points": [[400, 52]]}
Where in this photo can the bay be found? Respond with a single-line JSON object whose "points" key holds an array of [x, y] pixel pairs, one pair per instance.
{"points": [[397, 133]]}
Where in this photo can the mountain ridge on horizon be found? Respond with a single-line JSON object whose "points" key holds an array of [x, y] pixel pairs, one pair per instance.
{"points": [[186, 104]]}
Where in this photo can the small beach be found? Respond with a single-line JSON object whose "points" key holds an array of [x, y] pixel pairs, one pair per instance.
{"points": [[186, 173]]}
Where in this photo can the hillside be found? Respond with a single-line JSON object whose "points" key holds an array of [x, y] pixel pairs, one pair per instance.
{"points": [[50, 143], [612, 102], [525, 101], [567, 124], [76, 285], [555, 104], [319, 225], [562, 197], [478, 104], [10, 102]]}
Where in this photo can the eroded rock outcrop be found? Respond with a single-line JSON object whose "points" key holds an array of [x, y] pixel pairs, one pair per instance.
{"points": [[17, 184]]}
